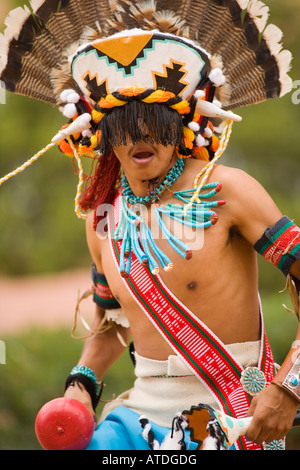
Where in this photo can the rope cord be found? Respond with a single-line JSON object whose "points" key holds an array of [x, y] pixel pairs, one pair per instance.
{"points": [[79, 214], [26, 164], [208, 168]]}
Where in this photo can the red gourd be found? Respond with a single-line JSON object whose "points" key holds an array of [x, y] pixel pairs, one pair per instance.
{"points": [[64, 424]]}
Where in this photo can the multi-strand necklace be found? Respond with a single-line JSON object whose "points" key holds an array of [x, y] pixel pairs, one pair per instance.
{"points": [[135, 233]]}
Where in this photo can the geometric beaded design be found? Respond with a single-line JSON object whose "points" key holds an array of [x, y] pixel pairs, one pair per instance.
{"points": [[253, 380], [275, 445]]}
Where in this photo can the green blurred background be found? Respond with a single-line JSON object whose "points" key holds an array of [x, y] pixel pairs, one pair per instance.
{"points": [[41, 234]]}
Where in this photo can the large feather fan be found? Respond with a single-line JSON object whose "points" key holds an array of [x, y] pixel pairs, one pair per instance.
{"points": [[38, 39]]}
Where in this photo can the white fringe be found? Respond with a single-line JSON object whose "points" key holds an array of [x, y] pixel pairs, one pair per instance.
{"points": [[145, 433], [210, 443], [36, 4], [284, 60], [173, 440], [118, 316], [13, 22], [273, 36], [243, 4], [257, 10]]}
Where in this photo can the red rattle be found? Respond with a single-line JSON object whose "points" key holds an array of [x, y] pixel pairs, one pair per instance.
{"points": [[64, 424]]}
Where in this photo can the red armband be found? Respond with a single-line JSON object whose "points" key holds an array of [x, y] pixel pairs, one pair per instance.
{"points": [[280, 244], [103, 296]]}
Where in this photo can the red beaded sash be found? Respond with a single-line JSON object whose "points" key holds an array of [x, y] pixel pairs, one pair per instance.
{"points": [[200, 349]]}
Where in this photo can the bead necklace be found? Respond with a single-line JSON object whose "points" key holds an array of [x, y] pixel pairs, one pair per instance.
{"points": [[154, 196], [136, 235]]}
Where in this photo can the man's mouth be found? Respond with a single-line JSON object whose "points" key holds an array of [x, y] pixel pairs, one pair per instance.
{"points": [[142, 155]]}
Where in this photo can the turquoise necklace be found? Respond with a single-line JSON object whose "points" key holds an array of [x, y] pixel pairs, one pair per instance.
{"points": [[169, 180], [135, 233]]}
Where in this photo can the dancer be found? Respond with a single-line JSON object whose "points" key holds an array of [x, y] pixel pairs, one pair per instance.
{"points": [[149, 89]]}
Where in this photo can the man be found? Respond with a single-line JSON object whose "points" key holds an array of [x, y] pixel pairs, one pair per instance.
{"points": [[146, 101], [219, 283]]}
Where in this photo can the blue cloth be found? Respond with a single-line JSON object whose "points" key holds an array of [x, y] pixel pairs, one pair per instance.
{"points": [[121, 430]]}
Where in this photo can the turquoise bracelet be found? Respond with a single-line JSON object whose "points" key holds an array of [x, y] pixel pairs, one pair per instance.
{"points": [[84, 370]]}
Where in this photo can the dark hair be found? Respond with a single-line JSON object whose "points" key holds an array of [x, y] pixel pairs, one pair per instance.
{"points": [[140, 122]]}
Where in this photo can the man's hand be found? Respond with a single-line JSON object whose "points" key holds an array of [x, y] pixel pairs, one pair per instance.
{"points": [[78, 392], [273, 412]]}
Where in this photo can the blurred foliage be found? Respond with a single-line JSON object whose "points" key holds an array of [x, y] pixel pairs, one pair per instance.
{"points": [[37, 218], [39, 229], [37, 364]]}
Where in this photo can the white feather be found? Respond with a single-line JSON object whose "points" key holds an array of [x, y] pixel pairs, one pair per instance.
{"points": [[284, 60], [273, 35], [36, 4], [3, 52], [146, 8], [243, 4], [259, 12], [14, 22]]}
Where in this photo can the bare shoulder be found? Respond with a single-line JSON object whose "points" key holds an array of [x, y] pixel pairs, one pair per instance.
{"points": [[250, 206], [241, 187], [233, 177], [221, 173]]}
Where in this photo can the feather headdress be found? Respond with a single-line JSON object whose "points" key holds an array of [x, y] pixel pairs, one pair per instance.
{"points": [[203, 58], [37, 43]]}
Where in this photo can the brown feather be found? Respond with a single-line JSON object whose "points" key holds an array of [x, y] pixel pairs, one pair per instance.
{"points": [[34, 48]]}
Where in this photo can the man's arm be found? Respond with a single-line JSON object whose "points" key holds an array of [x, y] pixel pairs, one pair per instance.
{"points": [[252, 212], [100, 350]]}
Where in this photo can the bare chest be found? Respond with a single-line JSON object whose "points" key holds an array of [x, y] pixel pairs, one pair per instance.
{"points": [[191, 275], [218, 281]]}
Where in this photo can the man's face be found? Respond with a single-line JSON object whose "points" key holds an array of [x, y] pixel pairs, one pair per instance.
{"points": [[144, 160]]}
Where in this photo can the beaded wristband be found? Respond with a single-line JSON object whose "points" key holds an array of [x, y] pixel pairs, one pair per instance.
{"points": [[85, 376], [84, 370]]}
